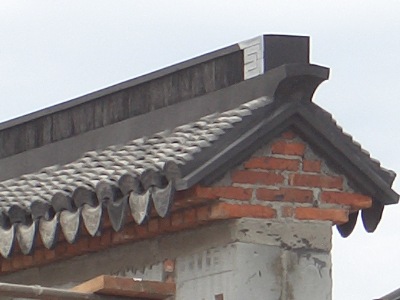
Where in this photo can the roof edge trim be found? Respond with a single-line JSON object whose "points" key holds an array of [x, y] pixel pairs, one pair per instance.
{"points": [[119, 86]]}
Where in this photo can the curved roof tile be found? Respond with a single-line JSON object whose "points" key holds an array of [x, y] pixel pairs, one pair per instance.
{"points": [[129, 177]]}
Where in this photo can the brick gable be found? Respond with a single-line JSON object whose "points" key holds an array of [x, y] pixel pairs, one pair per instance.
{"points": [[288, 176], [283, 181]]}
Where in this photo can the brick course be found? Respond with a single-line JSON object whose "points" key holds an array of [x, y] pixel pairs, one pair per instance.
{"points": [[256, 177], [354, 200], [311, 165], [272, 163], [230, 192], [338, 216], [288, 148], [285, 194], [318, 181]]}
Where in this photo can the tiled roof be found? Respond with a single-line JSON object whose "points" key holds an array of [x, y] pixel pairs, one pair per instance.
{"points": [[146, 172], [120, 177]]}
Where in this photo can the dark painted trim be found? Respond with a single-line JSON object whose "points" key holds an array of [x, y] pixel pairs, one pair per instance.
{"points": [[356, 165], [333, 147], [120, 86], [169, 117], [168, 90]]}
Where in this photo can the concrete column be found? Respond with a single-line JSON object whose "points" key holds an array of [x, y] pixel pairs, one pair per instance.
{"points": [[267, 261]]}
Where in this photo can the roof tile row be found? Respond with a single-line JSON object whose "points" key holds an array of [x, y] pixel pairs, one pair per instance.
{"points": [[129, 177]]}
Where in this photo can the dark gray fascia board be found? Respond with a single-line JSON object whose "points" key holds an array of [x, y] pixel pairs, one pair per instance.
{"points": [[275, 121], [120, 86], [323, 117], [343, 153]]}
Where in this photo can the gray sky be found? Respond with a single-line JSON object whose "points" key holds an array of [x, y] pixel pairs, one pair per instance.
{"points": [[52, 51]]}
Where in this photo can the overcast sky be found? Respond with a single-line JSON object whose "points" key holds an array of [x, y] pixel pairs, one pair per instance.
{"points": [[52, 51]]}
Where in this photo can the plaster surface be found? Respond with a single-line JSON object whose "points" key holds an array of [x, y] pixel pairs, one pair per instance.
{"points": [[253, 271]]}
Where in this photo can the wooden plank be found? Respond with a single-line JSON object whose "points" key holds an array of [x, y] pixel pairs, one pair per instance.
{"points": [[128, 287]]}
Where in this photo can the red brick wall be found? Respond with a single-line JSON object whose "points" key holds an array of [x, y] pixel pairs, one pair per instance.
{"points": [[289, 177]]}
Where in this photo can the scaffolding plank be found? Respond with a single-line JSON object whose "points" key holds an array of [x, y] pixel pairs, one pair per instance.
{"points": [[127, 287]]}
